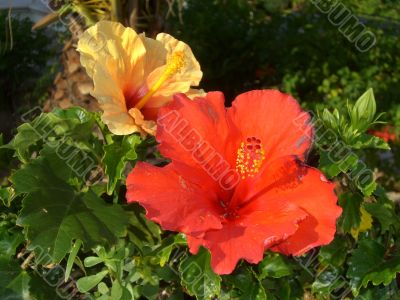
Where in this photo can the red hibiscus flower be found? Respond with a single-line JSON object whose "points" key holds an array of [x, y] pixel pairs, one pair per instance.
{"points": [[236, 183]]}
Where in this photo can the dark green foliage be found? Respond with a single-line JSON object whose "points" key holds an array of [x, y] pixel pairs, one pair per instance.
{"points": [[243, 45], [27, 67]]}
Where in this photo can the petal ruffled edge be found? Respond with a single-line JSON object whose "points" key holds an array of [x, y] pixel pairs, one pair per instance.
{"points": [[172, 200], [111, 39], [276, 119], [316, 196], [248, 237], [189, 75]]}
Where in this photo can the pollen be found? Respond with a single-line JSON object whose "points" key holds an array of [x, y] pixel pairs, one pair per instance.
{"points": [[175, 62], [250, 157]]}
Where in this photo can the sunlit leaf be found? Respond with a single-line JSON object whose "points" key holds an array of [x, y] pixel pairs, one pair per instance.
{"points": [[368, 263], [274, 265], [54, 213], [198, 277], [363, 112], [365, 223], [85, 284], [351, 216], [115, 158]]}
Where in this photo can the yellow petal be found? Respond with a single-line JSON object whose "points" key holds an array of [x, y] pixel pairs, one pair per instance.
{"points": [[365, 223], [111, 99], [148, 127], [114, 57], [92, 43], [193, 93], [155, 54], [107, 39], [189, 75]]}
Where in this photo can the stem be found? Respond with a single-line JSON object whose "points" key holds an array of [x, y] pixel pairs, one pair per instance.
{"points": [[106, 137], [116, 11]]}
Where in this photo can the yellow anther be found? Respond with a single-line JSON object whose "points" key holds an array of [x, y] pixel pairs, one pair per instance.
{"points": [[175, 62], [250, 157]]}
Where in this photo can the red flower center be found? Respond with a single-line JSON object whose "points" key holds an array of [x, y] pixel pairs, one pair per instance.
{"points": [[227, 213], [132, 96]]}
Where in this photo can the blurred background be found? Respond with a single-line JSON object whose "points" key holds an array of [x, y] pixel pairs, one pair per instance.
{"points": [[323, 52]]}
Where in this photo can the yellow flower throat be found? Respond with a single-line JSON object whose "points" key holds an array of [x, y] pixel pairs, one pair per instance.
{"points": [[175, 63]]}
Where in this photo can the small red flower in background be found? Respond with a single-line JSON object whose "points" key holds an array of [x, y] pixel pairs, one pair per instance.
{"points": [[386, 133], [236, 183]]}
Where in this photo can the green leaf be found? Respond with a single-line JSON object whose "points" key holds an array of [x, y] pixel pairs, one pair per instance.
{"points": [[54, 213], [334, 254], [7, 195], [116, 156], [14, 282], [41, 290], [26, 137], [118, 291], [351, 216], [366, 141], [379, 293], [274, 265], [384, 212], [198, 277], [62, 165], [142, 232], [164, 251], [71, 258], [150, 291], [330, 120], [329, 280], [333, 166], [9, 242], [74, 123], [74, 116], [6, 153], [365, 223], [363, 112], [248, 285], [91, 261], [85, 284], [103, 288], [363, 177], [368, 264]]}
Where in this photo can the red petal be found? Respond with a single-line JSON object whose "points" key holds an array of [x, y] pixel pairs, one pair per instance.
{"points": [[288, 180], [315, 195], [281, 174], [172, 201], [193, 134], [246, 237], [276, 119]]}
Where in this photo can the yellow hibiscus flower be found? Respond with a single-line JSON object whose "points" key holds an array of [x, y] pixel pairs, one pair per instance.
{"points": [[134, 75]]}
